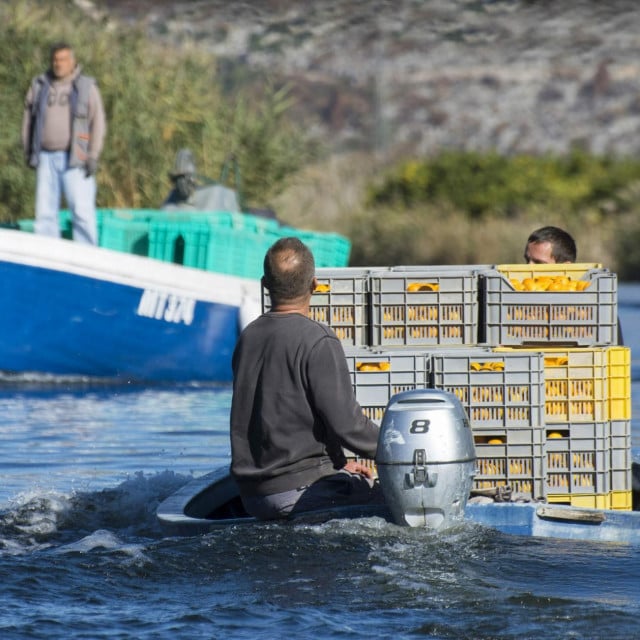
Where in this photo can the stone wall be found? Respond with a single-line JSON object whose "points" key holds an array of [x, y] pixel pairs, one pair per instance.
{"points": [[416, 76]]}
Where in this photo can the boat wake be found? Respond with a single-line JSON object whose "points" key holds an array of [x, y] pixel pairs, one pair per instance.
{"points": [[123, 519], [81, 521]]}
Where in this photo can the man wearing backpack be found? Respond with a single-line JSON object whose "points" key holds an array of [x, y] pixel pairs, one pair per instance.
{"points": [[63, 130]]}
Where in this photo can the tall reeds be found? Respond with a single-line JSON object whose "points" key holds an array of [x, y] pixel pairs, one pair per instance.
{"points": [[158, 99]]}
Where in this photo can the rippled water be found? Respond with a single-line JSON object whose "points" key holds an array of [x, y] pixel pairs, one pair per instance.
{"points": [[83, 468]]}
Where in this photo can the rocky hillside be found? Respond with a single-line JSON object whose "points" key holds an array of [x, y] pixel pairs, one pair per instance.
{"points": [[418, 75]]}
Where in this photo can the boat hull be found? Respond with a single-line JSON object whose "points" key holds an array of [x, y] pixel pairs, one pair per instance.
{"points": [[558, 521], [73, 310], [212, 501]]}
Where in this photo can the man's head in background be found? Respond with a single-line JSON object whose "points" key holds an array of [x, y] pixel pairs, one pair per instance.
{"points": [[550, 245]]}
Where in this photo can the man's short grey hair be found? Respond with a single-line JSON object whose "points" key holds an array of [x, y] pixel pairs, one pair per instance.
{"points": [[289, 269]]}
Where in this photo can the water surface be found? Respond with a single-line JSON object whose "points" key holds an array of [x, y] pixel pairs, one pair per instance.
{"points": [[81, 556]]}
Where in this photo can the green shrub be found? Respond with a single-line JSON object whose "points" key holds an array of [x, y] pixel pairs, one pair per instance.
{"points": [[487, 183]]}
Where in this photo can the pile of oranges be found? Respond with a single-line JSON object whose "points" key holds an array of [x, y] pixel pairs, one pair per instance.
{"points": [[549, 283]]}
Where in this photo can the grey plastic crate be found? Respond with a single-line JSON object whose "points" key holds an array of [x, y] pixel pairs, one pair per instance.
{"points": [[429, 307], [378, 375], [577, 318], [341, 302], [510, 457], [620, 433], [497, 389], [579, 462]]}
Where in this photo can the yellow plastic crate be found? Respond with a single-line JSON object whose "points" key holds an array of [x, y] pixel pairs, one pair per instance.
{"points": [[574, 270], [586, 384], [616, 500]]}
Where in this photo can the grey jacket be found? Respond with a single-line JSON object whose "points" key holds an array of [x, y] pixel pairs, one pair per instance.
{"points": [[87, 120]]}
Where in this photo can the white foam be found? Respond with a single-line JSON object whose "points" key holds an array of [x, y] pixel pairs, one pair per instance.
{"points": [[39, 519]]}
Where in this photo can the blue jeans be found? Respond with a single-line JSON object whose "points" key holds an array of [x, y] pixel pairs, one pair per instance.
{"points": [[55, 178]]}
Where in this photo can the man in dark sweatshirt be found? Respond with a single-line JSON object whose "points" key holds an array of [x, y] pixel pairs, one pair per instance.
{"points": [[293, 407]]}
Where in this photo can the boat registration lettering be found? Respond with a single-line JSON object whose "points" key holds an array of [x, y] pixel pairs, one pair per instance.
{"points": [[166, 306]]}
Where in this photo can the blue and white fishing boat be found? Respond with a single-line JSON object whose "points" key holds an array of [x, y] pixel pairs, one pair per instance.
{"points": [[75, 310], [163, 298]]}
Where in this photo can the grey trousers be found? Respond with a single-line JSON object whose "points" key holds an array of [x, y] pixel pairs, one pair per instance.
{"points": [[340, 489]]}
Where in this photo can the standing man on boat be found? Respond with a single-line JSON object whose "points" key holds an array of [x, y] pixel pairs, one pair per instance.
{"points": [[293, 408], [63, 129]]}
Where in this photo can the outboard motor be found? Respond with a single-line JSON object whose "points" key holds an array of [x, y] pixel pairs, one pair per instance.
{"points": [[426, 458]]}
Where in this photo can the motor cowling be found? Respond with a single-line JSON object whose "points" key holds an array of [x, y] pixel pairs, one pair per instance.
{"points": [[426, 458]]}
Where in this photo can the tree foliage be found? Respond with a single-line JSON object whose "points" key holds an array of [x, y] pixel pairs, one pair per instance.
{"points": [[480, 184]]}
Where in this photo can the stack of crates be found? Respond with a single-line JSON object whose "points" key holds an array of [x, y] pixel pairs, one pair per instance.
{"points": [[238, 249], [230, 242], [221, 241], [183, 237], [530, 350], [124, 230], [588, 426], [567, 314], [504, 397], [329, 249]]}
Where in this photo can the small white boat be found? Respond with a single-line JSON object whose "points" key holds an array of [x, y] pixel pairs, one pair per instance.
{"points": [[430, 488], [213, 501]]}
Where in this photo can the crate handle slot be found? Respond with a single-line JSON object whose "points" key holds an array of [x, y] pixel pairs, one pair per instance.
{"points": [[423, 286], [489, 440], [487, 366], [560, 361], [322, 288], [373, 366]]}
